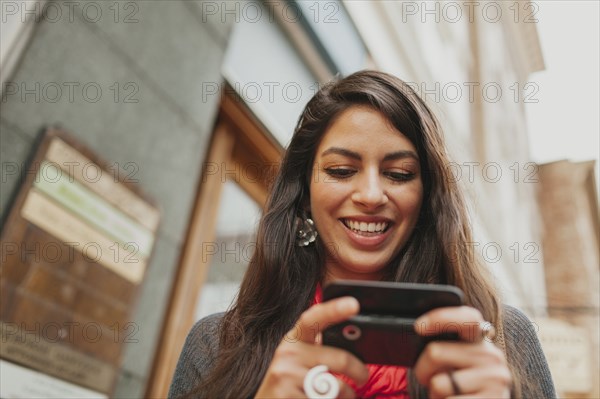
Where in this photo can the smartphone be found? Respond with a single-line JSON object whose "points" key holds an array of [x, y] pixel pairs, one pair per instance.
{"points": [[383, 332]]}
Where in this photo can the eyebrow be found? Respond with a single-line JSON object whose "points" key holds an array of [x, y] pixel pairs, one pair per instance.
{"points": [[355, 155]]}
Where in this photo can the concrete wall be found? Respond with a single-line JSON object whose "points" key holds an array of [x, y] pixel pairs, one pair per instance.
{"points": [[165, 50]]}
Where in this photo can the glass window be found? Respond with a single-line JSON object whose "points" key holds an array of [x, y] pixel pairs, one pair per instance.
{"points": [[231, 250]]}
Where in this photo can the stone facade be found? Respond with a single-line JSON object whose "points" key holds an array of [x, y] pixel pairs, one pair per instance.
{"points": [[569, 207]]}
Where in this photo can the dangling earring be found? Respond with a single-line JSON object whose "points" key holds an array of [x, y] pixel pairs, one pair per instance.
{"points": [[305, 231]]}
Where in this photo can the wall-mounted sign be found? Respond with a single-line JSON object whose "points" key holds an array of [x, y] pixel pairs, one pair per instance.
{"points": [[75, 248], [22, 382]]}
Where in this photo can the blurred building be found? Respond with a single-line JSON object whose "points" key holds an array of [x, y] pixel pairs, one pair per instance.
{"points": [[569, 206], [202, 97]]}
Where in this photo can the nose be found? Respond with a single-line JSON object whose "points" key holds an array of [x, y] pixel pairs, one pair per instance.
{"points": [[370, 191]]}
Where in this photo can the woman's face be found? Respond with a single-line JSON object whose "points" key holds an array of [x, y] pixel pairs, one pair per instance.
{"points": [[365, 193]]}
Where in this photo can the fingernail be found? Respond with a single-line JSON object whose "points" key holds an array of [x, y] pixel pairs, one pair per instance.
{"points": [[423, 320], [348, 303]]}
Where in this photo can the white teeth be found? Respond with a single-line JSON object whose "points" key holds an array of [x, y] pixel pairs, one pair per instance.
{"points": [[366, 227]]}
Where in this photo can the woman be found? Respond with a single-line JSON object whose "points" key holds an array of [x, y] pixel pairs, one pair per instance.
{"points": [[363, 193]]}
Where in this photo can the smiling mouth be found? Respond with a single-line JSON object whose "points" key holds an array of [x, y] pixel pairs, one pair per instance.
{"points": [[366, 228]]}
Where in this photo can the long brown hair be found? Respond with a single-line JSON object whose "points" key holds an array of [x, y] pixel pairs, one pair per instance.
{"points": [[281, 278]]}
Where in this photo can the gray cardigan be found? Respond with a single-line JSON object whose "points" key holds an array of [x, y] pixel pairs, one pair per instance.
{"points": [[522, 345]]}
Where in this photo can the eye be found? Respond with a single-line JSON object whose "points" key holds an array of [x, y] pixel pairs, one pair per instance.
{"points": [[400, 176], [340, 173]]}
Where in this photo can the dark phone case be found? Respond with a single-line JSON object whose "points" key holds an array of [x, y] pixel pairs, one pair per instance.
{"points": [[383, 332]]}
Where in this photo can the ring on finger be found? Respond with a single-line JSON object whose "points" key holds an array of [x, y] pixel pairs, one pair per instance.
{"points": [[320, 384], [488, 332], [455, 387]]}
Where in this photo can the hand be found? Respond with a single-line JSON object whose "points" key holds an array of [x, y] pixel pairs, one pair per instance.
{"points": [[478, 367], [300, 351]]}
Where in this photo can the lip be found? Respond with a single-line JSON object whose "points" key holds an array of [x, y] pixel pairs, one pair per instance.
{"points": [[367, 242]]}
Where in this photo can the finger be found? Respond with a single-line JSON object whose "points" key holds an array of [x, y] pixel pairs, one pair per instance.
{"points": [[317, 317], [438, 357], [292, 360], [346, 390], [492, 381], [464, 320], [338, 360], [441, 386]]}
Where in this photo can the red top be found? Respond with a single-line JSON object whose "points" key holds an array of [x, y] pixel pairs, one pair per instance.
{"points": [[384, 381]]}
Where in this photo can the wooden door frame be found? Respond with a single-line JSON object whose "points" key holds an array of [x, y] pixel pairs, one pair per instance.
{"points": [[244, 146]]}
